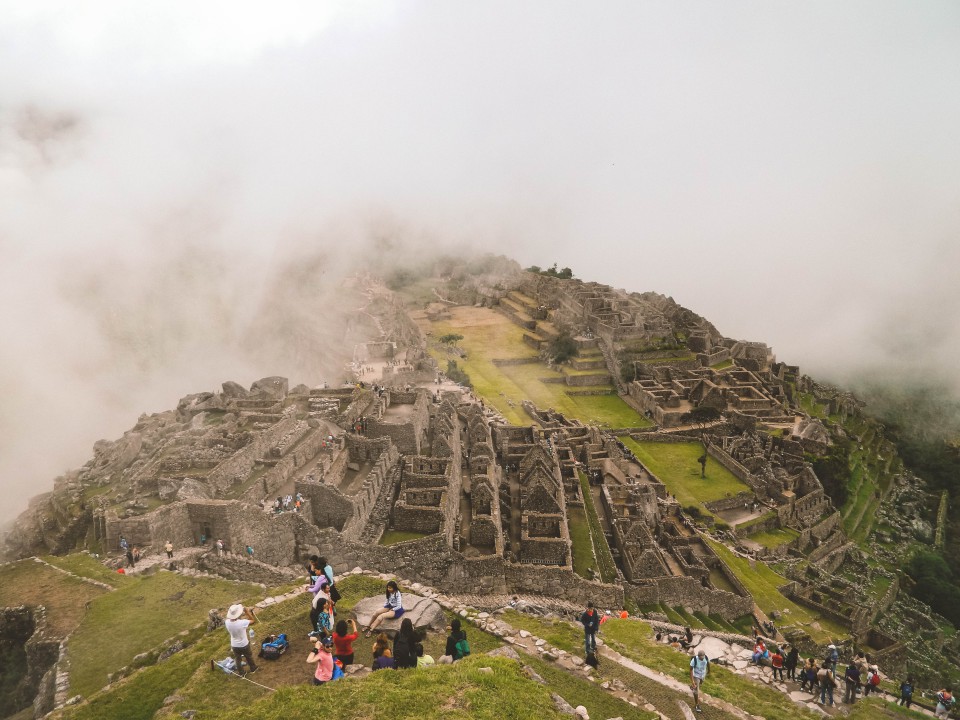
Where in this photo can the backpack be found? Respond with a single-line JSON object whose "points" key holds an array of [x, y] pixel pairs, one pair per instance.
{"points": [[875, 679], [274, 646], [461, 649]]}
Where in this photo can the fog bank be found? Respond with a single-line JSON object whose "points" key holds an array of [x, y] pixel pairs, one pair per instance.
{"points": [[182, 189]]}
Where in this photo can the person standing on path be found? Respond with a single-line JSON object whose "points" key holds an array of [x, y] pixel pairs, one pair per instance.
{"points": [[238, 620], [590, 619], [827, 682], [906, 692], [699, 667], [793, 657], [169, 549], [945, 701], [852, 679]]}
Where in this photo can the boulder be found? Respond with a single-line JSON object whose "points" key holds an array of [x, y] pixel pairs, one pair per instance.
{"points": [[273, 387], [423, 612], [505, 651], [714, 648], [234, 390]]}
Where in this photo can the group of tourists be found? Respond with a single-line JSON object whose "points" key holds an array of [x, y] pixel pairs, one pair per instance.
{"points": [[334, 639]]}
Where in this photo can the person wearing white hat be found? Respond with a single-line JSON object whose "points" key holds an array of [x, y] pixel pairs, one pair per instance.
{"points": [[238, 620]]}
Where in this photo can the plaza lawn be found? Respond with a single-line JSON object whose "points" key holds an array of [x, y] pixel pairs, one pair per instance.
{"points": [[676, 465], [774, 538], [392, 537], [488, 336]]}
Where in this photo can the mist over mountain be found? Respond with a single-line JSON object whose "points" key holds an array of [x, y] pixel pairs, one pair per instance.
{"points": [[183, 190]]}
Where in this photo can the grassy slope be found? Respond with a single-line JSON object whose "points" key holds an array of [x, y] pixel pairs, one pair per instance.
{"points": [[139, 616], [762, 583], [582, 547], [488, 335], [676, 465], [29, 583]]}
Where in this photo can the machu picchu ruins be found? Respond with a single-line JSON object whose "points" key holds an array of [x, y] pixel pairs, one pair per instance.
{"points": [[406, 466]]}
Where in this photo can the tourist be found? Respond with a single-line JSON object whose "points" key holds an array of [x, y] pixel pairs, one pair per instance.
{"points": [[873, 680], [699, 667], [828, 682], [906, 692], [852, 680], [384, 661], [832, 658], [323, 659], [808, 676], [343, 641], [239, 618], [790, 663], [759, 652], [130, 561], [590, 620], [250, 552], [317, 586], [405, 646], [393, 607], [219, 545], [169, 548], [124, 546], [136, 555], [324, 623], [776, 662], [945, 701], [455, 636], [423, 659]]}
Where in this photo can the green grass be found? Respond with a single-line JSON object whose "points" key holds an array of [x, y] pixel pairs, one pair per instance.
{"points": [[139, 616], [775, 538], [608, 568], [762, 583], [633, 639], [453, 691], [582, 546], [722, 365], [489, 335], [677, 467], [87, 566], [559, 633], [392, 537]]}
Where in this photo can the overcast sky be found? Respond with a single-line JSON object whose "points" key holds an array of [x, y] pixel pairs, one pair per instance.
{"points": [[789, 170]]}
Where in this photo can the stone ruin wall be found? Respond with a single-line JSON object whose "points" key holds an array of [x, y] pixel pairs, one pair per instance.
{"points": [[294, 459], [237, 468], [689, 593]]}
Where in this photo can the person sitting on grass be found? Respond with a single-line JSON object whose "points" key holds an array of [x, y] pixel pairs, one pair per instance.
{"points": [[455, 636], [392, 608], [405, 646], [382, 655]]}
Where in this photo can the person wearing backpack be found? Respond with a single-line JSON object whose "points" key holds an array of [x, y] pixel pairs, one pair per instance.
{"points": [[945, 701], [699, 667], [906, 692], [873, 680], [457, 647], [590, 620]]}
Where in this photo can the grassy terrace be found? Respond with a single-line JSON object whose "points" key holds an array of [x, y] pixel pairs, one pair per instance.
{"points": [[775, 538], [581, 542], [763, 583], [608, 569], [392, 537], [676, 465], [489, 335]]}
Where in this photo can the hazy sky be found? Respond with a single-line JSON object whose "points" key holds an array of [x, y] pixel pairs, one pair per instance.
{"points": [[789, 170]]}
